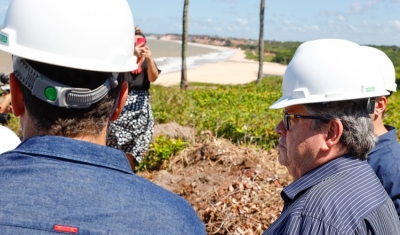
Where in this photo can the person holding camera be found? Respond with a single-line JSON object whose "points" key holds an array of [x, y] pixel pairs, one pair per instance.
{"points": [[133, 130]]}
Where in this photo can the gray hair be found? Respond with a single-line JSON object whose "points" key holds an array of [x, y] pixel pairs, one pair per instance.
{"points": [[358, 131]]}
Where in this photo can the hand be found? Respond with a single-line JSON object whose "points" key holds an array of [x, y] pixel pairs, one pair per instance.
{"points": [[5, 106], [138, 49], [144, 51]]}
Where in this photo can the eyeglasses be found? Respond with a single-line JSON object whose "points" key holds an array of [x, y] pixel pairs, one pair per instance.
{"points": [[287, 116]]}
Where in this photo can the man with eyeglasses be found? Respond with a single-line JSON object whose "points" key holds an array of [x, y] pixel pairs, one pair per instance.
{"points": [[325, 136], [384, 158]]}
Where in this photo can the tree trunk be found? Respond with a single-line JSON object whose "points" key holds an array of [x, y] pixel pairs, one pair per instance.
{"points": [[261, 43], [184, 83]]}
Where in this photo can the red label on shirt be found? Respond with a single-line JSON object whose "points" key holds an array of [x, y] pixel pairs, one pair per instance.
{"points": [[65, 229]]}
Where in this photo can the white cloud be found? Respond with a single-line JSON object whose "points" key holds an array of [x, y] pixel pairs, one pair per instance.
{"points": [[241, 21], [358, 7], [209, 20], [395, 24], [326, 13], [371, 3], [341, 18], [352, 27], [289, 26], [331, 22], [315, 27]]}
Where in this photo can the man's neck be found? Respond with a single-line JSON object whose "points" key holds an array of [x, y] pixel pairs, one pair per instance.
{"points": [[379, 128]]}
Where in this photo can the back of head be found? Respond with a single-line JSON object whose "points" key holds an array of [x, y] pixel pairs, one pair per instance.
{"points": [[386, 66], [67, 55]]}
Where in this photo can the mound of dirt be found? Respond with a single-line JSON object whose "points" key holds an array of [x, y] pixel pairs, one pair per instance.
{"points": [[174, 130], [235, 190]]}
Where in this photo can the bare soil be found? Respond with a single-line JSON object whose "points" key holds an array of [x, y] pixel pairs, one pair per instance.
{"points": [[234, 189]]}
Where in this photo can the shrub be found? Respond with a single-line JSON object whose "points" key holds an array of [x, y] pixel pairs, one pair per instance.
{"points": [[239, 113], [161, 149]]}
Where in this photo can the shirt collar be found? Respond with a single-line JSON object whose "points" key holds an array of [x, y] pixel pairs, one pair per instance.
{"points": [[385, 139], [315, 176], [75, 150]]}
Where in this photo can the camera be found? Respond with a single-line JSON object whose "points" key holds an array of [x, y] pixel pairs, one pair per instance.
{"points": [[5, 82], [4, 118], [4, 79]]}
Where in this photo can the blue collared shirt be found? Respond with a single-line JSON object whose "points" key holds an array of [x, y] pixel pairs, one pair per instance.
{"points": [[385, 160], [51, 183], [343, 196]]}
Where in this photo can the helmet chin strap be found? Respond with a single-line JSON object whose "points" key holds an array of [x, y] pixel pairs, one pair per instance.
{"points": [[59, 94], [368, 104]]}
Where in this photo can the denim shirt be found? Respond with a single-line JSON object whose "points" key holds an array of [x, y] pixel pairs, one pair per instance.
{"points": [[385, 160], [54, 184]]}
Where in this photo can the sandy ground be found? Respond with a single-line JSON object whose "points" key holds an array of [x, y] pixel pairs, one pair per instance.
{"points": [[5, 63], [236, 70]]}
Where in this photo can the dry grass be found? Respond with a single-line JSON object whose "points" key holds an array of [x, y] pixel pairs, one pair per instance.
{"points": [[235, 190]]}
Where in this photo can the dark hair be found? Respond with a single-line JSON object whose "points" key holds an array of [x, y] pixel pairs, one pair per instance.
{"points": [[71, 122], [138, 32]]}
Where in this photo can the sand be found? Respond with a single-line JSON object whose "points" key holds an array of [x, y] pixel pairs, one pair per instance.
{"points": [[236, 70], [5, 63]]}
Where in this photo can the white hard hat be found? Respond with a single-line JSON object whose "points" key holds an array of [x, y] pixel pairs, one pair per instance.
{"points": [[327, 70], [386, 65], [94, 35], [8, 139]]}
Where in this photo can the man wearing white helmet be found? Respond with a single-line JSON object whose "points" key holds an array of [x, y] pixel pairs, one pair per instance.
{"points": [[325, 135], [69, 58], [384, 158]]}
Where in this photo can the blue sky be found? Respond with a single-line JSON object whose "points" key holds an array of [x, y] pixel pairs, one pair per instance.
{"points": [[364, 21]]}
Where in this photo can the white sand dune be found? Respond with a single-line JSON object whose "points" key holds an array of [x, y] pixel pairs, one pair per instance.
{"points": [[236, 70]]}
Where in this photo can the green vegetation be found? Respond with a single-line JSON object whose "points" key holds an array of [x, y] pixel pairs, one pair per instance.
{"points": [[239, 113], [392, 113], [161, 149], [280, 52]]}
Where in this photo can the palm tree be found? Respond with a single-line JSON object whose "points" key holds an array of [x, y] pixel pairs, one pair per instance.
{"points": [[184, 83], [261, 43]]}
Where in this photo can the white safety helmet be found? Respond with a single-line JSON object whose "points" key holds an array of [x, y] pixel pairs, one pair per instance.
{"points": [[94, 35], [386, 65], [328, 70]]}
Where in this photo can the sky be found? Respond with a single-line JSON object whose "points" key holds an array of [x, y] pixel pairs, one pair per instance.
{"points": [[373, 22]]}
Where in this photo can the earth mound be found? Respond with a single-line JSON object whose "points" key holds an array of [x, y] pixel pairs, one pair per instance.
{"points": [[234, 189]]}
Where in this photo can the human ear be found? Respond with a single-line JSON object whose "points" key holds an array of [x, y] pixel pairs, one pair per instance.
{"points": [[380, 105], [123, 95], [333, 133], [17, 100]]}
